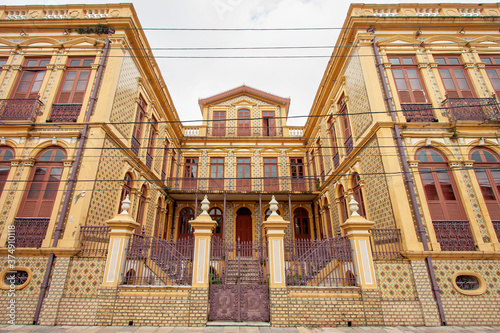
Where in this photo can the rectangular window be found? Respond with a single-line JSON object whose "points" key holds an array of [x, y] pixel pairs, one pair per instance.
{"points": [[346, 128], [271, 174], [31, 78], [268, 123], [219, 123], [320, 160], [493, 71], [3, 61], [243, 182], [74, 84], [139, 118], [455, 79], [297, 173], [190, 173], [243, 122], [408, 80], [217, 173], [165, 161], [333, 143], [151, 142]]}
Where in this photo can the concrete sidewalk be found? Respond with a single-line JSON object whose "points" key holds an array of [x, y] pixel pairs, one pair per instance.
{"points": [[243, 329]]}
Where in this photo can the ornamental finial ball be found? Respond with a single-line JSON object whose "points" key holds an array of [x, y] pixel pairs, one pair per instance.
{"points": [[205, 205], [125, 205], [353, 207], [273, 206]]}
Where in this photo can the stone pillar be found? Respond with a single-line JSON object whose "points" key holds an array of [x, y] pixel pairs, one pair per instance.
{"points": [[278, 294], [203, 227], [122, 228], [356, 229]]}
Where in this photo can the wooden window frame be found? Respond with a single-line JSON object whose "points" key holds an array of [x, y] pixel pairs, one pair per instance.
{"points": [[79, 69], [244, 126], [268, 123], [216, 166], [44, 184], [436, 168], [219, 228], [219, 123], [38, 68], [271, 183], [5, 164], [185, 230], [413, 97], [297, 174], [243, 183], [302, 215], [358, 194], [451, 68], [493, 206], [492, 66]]}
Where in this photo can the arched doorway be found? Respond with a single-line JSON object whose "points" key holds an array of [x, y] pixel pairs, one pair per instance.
{"points": [[244, 225]]}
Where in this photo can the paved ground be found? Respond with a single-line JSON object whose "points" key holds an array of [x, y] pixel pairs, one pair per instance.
{"points": [[244, 329]]}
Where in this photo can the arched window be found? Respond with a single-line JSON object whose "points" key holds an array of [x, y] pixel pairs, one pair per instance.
{"points": [[140, 209], [343, 204], [358, 196], [6, 154], [126, 190], [43, 184], [216, 215], [440, 189], [301, 224], [185, 229], [487, 169]]}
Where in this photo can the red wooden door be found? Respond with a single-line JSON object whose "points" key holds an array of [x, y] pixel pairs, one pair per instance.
{"points": [[244, 228]]}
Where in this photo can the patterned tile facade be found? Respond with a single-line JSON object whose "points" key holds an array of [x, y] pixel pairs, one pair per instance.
{"points": [[395, 280], [84, 277], [125, 96], [377, 201], [107, 188], [358, 96]]}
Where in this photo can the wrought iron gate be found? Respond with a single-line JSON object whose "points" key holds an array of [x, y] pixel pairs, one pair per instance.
{"points": [[238, 281]]}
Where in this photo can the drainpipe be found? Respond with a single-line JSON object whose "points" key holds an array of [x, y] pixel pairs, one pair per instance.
{"points": [[71, 181], [409, 182]]}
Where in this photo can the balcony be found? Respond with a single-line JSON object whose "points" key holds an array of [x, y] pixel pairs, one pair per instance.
{"points": [[454, 235], [418, 113], [496, 225], [475, 109], [65, 113], [299, 184], [30, 231], [19, 109]]}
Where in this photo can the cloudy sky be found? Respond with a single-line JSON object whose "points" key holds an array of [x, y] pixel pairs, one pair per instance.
{"points": [[191, 78]]}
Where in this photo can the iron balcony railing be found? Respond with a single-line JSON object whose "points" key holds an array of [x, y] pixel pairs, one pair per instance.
{"points": [[418, 113], [477, 109], [386, 243], [153, 261], [267, 184], [496, 225], [30, 231], [454, 235], [336, 160], [20, 109], [326, 263], [94, 241], [245, 131], [65, 113]]}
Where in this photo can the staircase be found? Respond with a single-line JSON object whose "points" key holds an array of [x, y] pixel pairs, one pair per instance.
{"points": [[243, 271]]}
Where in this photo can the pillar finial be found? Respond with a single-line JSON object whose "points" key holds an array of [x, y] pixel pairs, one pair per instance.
{"points": [[126, 205], [353, 207], [205, 205], [273, 206]]}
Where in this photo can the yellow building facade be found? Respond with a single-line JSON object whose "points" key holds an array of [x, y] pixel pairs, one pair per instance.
{"points": [[391, 188]]}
